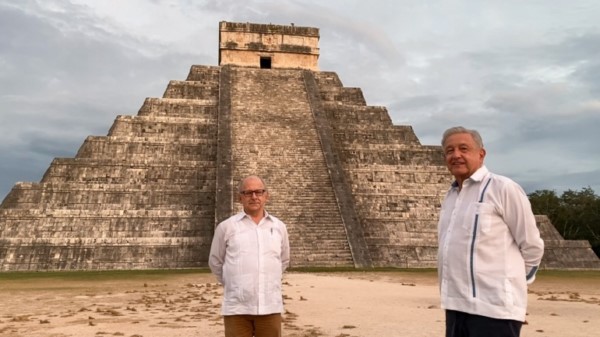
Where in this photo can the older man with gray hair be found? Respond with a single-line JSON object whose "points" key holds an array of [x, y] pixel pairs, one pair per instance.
{"points": [[489, 244], [249, 253]]}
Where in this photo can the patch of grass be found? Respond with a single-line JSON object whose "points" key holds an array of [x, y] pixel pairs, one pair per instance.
{"points": [[549, 273], [360, 270], [97, 275], [592, 274]]}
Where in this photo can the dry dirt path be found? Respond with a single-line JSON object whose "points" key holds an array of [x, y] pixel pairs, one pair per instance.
{"points": [[360, 304]]}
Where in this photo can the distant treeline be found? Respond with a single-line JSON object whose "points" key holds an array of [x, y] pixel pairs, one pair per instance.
{"points": [[575, 214]]}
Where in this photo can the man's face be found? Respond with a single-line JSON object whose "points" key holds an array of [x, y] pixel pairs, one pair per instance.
{"points": [[253, 196], [463, 156]]}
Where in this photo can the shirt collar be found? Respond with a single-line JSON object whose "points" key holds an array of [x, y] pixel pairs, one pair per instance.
{"points": [[479, 175], [242, 214]]}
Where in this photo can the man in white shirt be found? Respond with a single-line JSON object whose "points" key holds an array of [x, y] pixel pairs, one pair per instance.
{"points": [[489, 244], [249, 253]]}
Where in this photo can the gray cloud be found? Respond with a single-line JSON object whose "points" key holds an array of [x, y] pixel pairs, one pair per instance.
{"points": [[526, 74], [58, 85]]}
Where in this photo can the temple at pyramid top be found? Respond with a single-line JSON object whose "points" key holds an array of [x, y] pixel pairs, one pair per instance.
{"points": [[268, 46]]}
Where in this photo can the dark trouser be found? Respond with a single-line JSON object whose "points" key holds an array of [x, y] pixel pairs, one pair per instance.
{"points": [[461, 324], [253, 325]]}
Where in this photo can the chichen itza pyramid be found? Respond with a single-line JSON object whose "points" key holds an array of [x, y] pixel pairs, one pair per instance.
{"points": [[354, 189]]}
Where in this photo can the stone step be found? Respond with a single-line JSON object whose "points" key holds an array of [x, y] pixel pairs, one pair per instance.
{"points": [[124, 215], [134, 163], [390, 156], [79, 230], [117, 224], [350, 96], [179, 107], [96, 199], [204, 73], [146, 141], [171, 127], [160, 175], [120, 148], [410, 182], [192, 90], [105, 253], [347, 138], [344, 116], [326, 79], [128, 187], [166, 206]]}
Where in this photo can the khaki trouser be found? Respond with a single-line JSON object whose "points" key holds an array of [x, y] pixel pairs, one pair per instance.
{"points": [[253, 325]]}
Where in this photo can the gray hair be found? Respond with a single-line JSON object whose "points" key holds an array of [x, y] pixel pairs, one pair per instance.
{"points": [[459, 129], [241, 184]]}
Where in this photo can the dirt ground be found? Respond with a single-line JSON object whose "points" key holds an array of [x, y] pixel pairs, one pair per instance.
{"points": [[354, 304]]}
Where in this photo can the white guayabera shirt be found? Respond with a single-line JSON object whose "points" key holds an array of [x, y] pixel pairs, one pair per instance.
{"points": [[489, 247], [249, 260]]}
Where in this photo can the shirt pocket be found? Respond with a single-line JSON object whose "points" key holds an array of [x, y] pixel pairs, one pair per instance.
{"points": [[479, 214], [242, 242], [274, 238], [239, 288]]}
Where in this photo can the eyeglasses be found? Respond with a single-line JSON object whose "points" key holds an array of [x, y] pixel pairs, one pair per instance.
{"points": [[249, 193]]}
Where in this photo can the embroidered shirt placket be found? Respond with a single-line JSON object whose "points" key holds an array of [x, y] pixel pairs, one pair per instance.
{"points": [[261, 282], [474, 240]]}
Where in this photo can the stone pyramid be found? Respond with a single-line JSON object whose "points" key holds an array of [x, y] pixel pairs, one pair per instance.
{"points": [[354, 189]]}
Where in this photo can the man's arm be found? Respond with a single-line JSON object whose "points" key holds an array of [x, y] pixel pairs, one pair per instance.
{"points": [[216, 258], [285, 249], [520, 219]]}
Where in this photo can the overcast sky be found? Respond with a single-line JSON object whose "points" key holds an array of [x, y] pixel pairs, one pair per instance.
{"points": [[526, 74]]}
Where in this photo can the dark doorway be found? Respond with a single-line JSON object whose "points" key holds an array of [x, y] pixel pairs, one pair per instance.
{"points": [[265, 63]]}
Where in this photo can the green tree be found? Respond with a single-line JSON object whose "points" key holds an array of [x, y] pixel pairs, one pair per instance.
{"points": [[545, 202], [575, 214]]}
